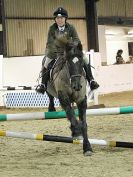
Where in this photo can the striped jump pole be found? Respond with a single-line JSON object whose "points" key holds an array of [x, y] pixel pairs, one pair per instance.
{"points": [[62, 114], [42, 137], [10, 88]]}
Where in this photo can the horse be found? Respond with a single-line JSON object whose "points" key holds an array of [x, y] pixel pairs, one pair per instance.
{"points": [[68, 84]]}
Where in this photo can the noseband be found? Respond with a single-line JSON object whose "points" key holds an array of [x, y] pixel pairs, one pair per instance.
{"points": [[75, 75]]}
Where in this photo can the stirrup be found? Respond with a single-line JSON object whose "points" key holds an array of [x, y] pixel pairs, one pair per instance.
{"points": [[93, 85]]}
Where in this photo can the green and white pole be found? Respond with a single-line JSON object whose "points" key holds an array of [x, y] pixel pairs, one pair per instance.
{"points": [[62, 114], [43, 137], [110, 111]]}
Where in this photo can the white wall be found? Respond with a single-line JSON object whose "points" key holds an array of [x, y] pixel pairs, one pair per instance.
{"points": [[24, 72], [21, 71], [1, 59], [115, 78]]}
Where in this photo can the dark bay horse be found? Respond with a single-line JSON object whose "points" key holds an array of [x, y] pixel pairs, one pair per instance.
{"points": [[68, 84]]}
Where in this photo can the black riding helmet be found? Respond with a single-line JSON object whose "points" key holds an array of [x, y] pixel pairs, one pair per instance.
{"points": [[120, 51], [60, 11]]}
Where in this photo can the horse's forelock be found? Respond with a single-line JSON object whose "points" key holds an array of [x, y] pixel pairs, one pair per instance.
{"points": [[74, 51], [74, 46]]}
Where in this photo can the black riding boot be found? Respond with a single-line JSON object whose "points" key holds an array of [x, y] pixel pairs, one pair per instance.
{"points": [[45, 77], [93, 84]]}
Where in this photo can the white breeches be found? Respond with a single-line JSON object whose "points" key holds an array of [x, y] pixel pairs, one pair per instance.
{"points": [[86, 60]]}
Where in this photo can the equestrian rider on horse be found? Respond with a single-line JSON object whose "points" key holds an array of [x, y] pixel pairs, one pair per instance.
{"points": [[61, 27]]}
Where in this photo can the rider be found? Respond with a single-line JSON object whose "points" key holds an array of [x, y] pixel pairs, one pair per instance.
{"points": [[61, 27], [119, 58]]}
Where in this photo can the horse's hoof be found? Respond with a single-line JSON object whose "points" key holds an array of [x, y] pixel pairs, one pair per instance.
{"points": [[80, 137], [88, 153]]}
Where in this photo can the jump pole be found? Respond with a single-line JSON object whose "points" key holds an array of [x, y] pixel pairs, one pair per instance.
{"points": [[43, 137], [62, 114]]}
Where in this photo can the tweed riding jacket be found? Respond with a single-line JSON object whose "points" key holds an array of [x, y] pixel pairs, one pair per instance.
{"points": [[69, 31]]}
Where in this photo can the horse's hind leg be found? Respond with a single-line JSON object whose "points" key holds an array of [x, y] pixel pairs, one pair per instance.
{"points": [[82, 106], [66, 105], [51, 106]]}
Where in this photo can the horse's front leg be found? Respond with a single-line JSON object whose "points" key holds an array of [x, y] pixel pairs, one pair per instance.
{"points": [[82, 106], [51, 106], [66, 105]]}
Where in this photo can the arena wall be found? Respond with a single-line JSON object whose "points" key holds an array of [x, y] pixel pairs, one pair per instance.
{"points": [[24, 71]]}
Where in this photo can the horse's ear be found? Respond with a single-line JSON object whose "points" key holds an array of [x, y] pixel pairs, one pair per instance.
{"points": [[80, 47]]}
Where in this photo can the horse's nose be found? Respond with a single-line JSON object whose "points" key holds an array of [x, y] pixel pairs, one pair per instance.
{"points": [[75, 84], [77, 87]]}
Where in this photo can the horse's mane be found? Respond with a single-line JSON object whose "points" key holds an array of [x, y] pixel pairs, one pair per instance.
{"points": [[70, 47], [70, 50]]}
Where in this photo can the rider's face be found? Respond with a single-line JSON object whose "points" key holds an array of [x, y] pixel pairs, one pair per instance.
{"points": [[60, 21]]}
